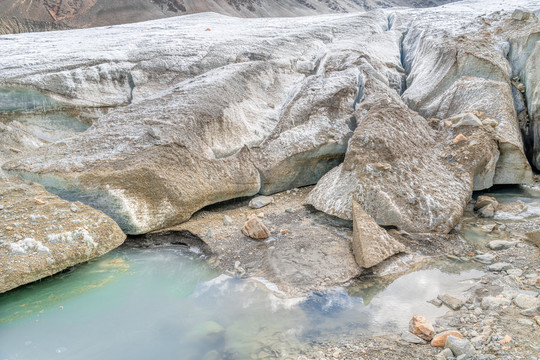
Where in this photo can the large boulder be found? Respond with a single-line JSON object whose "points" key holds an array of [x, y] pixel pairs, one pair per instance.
{"points": [[41, 234], [401, 171]]}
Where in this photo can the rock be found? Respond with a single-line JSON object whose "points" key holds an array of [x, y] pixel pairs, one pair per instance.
{"points": [[525, 301], [486, 258], [531, 312], [465, 119], [534, 237], [537, 319], [439, 340], [500, 266], [371, 244], [525, 322], [484, 201], [521, 15], [437, 302], [450, 301], [260, 201], [459, 346], [514, 272], [49, 237], [487, 211], [445, 354], [515, 207], [227, 220], [459, 139], [500, 244], [494, 302], [392, 143], [255, 229], [411, 338], [421, 327]]}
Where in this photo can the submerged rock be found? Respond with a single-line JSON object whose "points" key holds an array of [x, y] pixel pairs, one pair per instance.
{"points": [[40, 235]]}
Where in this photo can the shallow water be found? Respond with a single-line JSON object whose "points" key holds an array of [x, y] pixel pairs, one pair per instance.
{"points": [[165, 303]]}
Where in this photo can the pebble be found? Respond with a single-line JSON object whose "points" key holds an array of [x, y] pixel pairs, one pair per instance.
{"points": [[531, 312], [421, 327], [439, 340], [411, 338], [451, 302], [437, 302], [525, 322], [500, 244], [260, 201], [445, 354], [486, 258], [514, 272], [1, 207], [500, 266], [525, 301], [289, 210], [492, 302], [227, 220], [459, 346]]}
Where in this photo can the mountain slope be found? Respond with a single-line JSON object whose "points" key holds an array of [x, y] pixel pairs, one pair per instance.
{"points": [[91, 13]]}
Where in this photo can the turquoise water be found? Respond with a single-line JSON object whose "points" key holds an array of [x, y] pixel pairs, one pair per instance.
{"points": [[23, 100], [166, 303]]}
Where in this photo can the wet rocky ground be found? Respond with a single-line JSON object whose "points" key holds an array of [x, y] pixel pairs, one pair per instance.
{"points": [[497, 316]]}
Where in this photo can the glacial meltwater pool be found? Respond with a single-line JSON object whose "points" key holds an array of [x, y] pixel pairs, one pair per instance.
{"points": [[167, 303]]}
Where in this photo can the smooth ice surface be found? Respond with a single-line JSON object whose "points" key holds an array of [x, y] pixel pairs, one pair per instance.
{"points": [[164, 303]]}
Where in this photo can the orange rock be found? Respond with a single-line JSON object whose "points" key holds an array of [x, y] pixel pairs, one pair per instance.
{"points": [[40, 202], [283, 232], [459, 139], [440, 339], [421, 327], [507, 339], [255, 229], [208, 29]]}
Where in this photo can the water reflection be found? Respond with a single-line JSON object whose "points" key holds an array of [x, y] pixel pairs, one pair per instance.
{"points": [[166, 303]]}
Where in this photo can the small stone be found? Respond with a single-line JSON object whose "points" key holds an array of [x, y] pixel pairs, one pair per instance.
{"points": [[227, 220], [500, 266], [487, 211], [411, 338], [289, 210], [209, 233], [255, 229], [500, 244], [493, 302], [463, 357], [459, 138], [74, 208], [483, 201], [439, 340], [459, 346], [514, 272], [284, 232], [1, 207], [260, 201], [445, 354], [537, 319], [525, 301], [39, 201], [451, 302], [421, 327], [531, 312], [486, 258], [260, 215], [436, 302]]}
